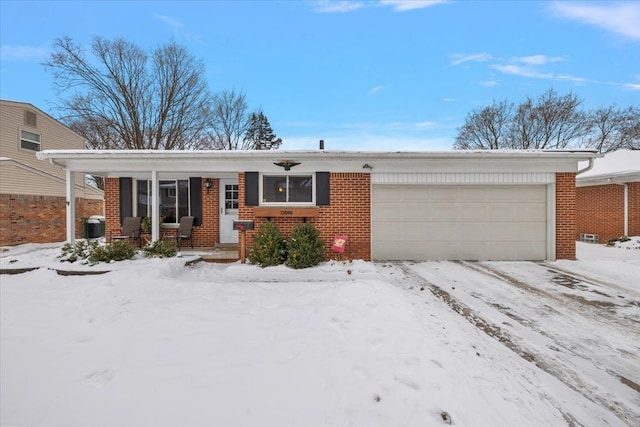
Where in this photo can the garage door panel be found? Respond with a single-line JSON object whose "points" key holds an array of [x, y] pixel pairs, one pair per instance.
{"points": [[483, 222], [440, 194], [530, 212], [472, 194], [533, 193], [439, 212]]}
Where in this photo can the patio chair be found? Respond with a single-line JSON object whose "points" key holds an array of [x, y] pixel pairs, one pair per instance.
{"points": [[130, 230], [183, 233]]}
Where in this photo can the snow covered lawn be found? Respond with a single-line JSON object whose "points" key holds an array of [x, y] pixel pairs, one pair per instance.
{"points": [[155, 343]]}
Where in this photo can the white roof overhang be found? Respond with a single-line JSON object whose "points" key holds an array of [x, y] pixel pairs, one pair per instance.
{"points": [[140, 163], [622, 177]]}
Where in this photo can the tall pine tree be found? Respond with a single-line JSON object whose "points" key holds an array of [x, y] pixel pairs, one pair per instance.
{"points": [[259, 134]]}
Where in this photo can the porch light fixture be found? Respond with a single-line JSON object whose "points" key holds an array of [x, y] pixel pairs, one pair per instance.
{"points": [[287, 164], [208, 184]]}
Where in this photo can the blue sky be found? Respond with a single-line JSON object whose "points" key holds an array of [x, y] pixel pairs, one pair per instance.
{"points": [[362, 75]]}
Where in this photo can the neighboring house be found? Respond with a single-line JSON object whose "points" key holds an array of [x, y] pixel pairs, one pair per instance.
{"points": [[32, 192], [475, 205], [608, 198]]}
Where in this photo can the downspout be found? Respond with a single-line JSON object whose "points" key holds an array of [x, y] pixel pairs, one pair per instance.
{"points": [[589, 167], [626, 209]]}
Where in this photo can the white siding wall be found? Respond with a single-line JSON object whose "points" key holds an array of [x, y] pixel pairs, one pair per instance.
{"points": [[463, 178], [53, 135]]}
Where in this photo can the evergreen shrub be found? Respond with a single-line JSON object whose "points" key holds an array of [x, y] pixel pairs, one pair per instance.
{"points": [[269, 247], [305, 247], [160, 249]]}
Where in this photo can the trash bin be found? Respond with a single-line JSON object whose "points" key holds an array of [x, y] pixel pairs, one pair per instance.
{"points": [[95, 226]]}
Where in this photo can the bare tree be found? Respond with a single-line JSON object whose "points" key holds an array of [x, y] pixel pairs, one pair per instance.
{"points": [[486, 128], [124, 98], [229, 121], [551, 121], [611, 129]]}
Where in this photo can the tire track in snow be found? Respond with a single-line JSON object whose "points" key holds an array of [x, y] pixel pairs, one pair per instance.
{"points": [[560, 371]]}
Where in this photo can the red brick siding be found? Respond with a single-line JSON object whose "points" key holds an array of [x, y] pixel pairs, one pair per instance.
{"points": [[348, 214], [600, 210], [41, 219], [205, 235], [565, 216], [634, 209]]}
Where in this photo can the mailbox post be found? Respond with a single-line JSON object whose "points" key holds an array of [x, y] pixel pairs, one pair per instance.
{"points": [[242, 227]]}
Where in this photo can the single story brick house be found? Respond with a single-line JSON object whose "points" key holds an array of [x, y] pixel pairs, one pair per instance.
{"points": [[474, 205], [608, 198]]}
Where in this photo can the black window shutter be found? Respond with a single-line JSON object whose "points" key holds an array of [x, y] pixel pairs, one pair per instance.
{"points": [[126, 198], [195, 199], [323, 197], [251, 189]]}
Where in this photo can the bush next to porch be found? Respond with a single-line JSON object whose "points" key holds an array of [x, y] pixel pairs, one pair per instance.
{"points": [[269, 247], [305, 248]]}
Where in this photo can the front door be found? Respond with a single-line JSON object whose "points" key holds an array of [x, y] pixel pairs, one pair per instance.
{"points": [[228, 210]]}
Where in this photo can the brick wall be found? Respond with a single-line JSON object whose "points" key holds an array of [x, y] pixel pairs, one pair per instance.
{"points": [[41, 219], [565, 216], [600, 210], [634, 209], [349, 214], [205, 235]]}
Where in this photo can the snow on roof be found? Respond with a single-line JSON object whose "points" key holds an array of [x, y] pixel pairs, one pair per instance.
{"points": [[615, 164]]}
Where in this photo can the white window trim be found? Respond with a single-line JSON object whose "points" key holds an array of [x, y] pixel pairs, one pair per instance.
{"points": [[289, 204], [39, 143]]}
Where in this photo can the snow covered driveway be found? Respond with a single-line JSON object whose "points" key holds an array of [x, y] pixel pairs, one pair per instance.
{"points": [[155, 343], [582, 330]]}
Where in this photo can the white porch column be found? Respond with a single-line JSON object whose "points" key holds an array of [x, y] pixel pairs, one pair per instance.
{"points": [[155, 207], [71, 205]]}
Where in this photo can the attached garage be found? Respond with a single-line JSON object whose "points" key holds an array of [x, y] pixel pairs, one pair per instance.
{"points": [[459, 222]]}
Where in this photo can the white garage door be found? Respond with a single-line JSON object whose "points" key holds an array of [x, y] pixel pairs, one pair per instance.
{"points": [[463, 222]]}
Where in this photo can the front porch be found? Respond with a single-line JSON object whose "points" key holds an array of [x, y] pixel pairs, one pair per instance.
{"points": [[222, 253]]}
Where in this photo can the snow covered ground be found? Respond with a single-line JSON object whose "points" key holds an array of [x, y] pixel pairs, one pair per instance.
{"points": [[155, 343]]}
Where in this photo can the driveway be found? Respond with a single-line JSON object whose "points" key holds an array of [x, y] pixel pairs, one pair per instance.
{"points": [[582, 329]]}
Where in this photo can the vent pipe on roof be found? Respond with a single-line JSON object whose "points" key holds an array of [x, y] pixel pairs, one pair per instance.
{"points": [[322, 144]]}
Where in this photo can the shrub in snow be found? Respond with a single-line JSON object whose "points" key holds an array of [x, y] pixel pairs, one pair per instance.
{"points": [[305, 247], [116, 251], [78, 251], [269, 247], [95, 251], [160, 249]]}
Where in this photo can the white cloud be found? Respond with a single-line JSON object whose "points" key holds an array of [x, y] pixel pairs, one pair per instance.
{"points": [[403, 5], [10, 53], [425, 125], [375, 89], [173, 23], [459, 58], [327, 6], [537, 59], [342, 6], [449, 99], [533, 66], [489, 83], [633, 86], [618, 17]]}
